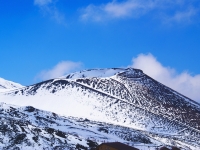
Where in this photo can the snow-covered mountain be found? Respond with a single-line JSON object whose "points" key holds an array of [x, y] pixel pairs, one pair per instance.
{"points": [[31, 129], [125, 97], [6, 85]]}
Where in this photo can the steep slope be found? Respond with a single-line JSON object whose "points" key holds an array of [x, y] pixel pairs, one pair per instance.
{"points": [[6, 85], [124, 97]]}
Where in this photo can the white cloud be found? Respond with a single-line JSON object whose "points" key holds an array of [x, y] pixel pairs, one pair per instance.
{"points": [[183, 16], [48, 7], [115, 9], [62, 68], [184, 82], [166, 10]]}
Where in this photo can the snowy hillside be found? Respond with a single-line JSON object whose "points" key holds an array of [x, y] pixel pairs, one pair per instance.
{"points": [[125, 97], [32, 129], [6, 85]]}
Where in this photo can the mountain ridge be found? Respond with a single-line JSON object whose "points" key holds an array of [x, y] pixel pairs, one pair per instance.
{"points": [[6, 85], [125, 97]]}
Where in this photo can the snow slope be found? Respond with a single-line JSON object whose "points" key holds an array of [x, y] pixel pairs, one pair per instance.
{"points": [[125, 97], [6, 85], [31, 129]]}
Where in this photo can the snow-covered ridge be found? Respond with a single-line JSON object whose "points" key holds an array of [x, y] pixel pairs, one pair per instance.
{"points": [[99, 73], [6, 85]]}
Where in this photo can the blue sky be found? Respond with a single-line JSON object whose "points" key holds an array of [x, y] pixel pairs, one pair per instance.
{"points": [[36, 36]]}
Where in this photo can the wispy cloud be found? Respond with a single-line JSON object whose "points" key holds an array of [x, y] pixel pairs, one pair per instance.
{"points": [[182, 16], [183, 82], [62, 68], [114, 9], [48, 7], [42, 2], [176, 10]]}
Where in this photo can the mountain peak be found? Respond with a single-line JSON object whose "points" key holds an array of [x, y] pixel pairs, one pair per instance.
{"points": [[102, 73]]}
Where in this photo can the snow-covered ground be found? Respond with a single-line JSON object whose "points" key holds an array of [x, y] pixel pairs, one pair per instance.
{"points": [[29, 128]]}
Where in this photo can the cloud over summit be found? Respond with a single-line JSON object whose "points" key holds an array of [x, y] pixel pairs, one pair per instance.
{"points": [[184, 82], [61, 69]]}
